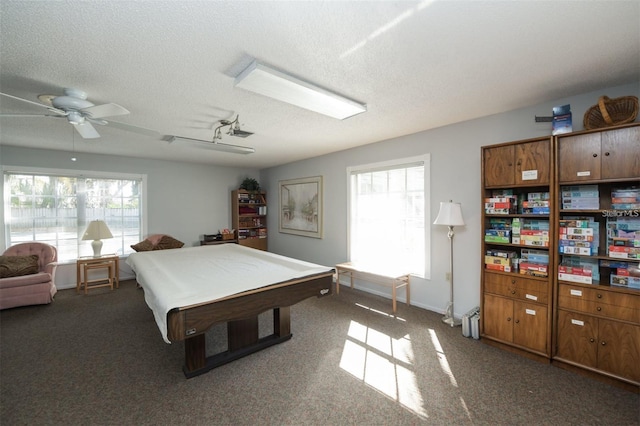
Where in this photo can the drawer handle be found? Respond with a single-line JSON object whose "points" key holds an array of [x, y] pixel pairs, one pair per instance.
{"points": [[508, 319], [513, 281], [606, 154], [592, 340], [595, 155], [599, 296], [517, 321], [598, 309], [603, 343], [513, 292]]}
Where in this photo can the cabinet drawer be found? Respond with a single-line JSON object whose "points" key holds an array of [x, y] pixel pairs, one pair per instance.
{"points": [[599, 308], [600, 295], [517, 287]]}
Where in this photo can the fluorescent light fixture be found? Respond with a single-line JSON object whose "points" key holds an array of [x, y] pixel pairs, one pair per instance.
{"points": [[275, 84], [216, 146]]}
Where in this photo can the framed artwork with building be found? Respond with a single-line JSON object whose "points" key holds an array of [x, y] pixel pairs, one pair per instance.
{"points": [[301, 207]]}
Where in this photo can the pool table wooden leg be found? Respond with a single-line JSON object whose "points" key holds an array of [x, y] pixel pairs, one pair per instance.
{"points": [[243, 339]]}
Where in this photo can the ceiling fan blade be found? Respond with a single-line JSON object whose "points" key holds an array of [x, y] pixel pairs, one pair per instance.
{"points": [[99, 121], [134, 129], [50, 108], [29, 115], [86, 130], [105, 110]]}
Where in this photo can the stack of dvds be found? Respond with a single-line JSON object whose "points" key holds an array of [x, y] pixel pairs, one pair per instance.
{"points": [[499, 231], [579, 270], [499, 260], [580, 197], [536, 203], [623, 237], [625, 198], [534, 262], [533, 232], [578, 236], [500, 205], [622, 277]]}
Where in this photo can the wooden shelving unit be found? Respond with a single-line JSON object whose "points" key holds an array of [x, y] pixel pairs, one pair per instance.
{"points": [[516, 298], [249, 218], [583, 313], [598, 313]]}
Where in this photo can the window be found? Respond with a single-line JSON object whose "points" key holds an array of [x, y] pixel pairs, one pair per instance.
{"points": [[388, 208], [56, 206]]}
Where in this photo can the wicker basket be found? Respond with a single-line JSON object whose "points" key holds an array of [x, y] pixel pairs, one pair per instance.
{"points": [[611, 112]]}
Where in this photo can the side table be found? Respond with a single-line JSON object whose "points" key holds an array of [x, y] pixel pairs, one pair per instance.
{"points": [[110, 262]]}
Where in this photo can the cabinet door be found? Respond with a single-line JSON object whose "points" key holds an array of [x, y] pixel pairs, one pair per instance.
{"points": [[532, 158], [621, 153], [498, 317], [577, 338], [619, 348], [579, 157], [499, 166], [530, 325]]}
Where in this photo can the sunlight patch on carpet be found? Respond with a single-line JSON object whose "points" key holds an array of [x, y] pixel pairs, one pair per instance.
{"points": [[384, 363], [442, 358]]}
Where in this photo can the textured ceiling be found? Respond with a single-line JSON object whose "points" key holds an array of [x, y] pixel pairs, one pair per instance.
{"points": [[417, 65]]}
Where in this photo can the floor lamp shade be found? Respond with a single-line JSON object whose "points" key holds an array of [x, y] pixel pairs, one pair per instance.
{"points": [[450, 215], [97, 231]]}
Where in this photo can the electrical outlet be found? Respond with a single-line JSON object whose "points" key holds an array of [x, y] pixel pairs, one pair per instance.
{"points": [[447, 276]]}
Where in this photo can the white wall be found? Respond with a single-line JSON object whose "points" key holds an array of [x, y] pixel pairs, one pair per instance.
{"points": [[187, 200], [184, 200], [455, 175]]}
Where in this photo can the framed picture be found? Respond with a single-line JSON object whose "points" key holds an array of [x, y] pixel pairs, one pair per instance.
{"points": [[301, 206]]}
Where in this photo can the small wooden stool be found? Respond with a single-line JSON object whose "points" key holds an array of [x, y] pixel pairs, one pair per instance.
{"points": [[84, 265]]}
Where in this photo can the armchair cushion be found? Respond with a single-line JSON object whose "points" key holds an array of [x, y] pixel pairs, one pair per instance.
{"points": [[16, 266]]}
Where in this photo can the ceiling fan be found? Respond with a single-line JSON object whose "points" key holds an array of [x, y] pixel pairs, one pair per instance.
{"points": [[80, 112], [234, 130]]}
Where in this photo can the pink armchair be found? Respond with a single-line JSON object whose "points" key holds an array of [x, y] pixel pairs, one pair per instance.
{"points": [[36, 287]]}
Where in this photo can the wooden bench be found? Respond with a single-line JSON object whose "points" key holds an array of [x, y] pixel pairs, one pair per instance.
{"points": [[389, 278]]}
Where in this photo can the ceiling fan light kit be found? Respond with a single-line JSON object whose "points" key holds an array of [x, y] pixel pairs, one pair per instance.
{"points": [[267, 81], [234, 130]]}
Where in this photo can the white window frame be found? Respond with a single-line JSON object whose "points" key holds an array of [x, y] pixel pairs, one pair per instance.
{"points": [[73, 174], [425, 159]]}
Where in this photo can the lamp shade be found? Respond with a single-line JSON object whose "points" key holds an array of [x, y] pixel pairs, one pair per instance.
{"points": [[450, 214], [97, 230]]}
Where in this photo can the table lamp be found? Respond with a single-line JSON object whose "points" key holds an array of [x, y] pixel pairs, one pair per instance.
{"points": [[96, 231], [450, 215]]}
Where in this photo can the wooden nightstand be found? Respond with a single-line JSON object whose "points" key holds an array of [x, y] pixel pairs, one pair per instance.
{"points": [[110, 262]]}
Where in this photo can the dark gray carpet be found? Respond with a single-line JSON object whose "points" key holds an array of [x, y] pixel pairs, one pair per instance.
{"points": [[99, 359]]}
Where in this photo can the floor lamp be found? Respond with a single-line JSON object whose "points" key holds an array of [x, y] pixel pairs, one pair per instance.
{"points": [[450, 215]]}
